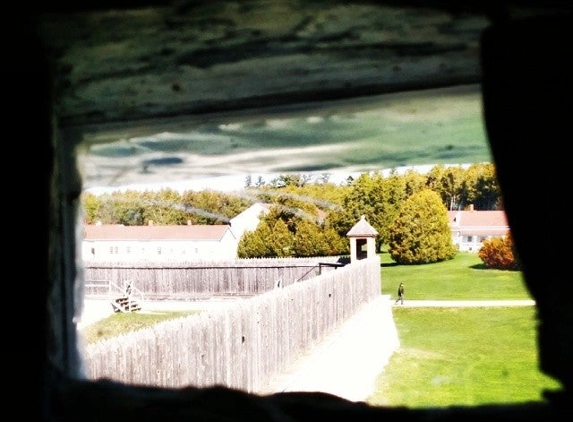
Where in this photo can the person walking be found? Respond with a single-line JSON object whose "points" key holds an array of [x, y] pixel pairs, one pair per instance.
{"points": [[400, 294]]}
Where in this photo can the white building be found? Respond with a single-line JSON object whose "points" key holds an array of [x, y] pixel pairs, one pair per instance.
{"points": [[470, 228], [249, 219], [119, 243]]}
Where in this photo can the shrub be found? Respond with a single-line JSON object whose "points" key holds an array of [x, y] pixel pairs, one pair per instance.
{"points": [[499, 253]]}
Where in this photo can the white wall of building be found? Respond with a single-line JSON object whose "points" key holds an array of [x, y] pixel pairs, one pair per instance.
{"points": [[160, 251]]}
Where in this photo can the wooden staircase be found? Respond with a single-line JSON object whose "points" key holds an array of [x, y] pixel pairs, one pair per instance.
{"points": [[127, 302]]}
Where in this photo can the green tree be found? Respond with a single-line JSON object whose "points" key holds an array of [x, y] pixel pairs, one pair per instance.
{"points": [[421, 232], [292, 228], [325, 196], [480, 188], [131, 208], [281, 240], [336, 244], [374, 195], [91, 205], [447, 182], [212, 207], [309, 240], [290, 179], [256, 244], [260, 182], [125, 208], [163, 207], [414, 182]]}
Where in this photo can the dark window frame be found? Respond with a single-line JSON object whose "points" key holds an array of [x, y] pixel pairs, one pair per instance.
{"points": [[65, 396]]}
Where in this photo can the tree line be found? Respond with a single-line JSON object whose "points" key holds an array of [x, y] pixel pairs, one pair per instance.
{"points": [[310, 217]]}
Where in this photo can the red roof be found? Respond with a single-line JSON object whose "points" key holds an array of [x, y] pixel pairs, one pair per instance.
{"points": [[142, 233], [491, 223]]}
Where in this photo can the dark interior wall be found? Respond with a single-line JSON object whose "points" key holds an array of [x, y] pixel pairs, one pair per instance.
{"points": [[201, 58], [28, 172], [527, 91], [528, 134]]}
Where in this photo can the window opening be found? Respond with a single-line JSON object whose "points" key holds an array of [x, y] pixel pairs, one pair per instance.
{"points": [[364, 117]]}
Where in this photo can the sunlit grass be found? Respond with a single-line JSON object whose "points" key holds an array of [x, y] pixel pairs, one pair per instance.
{"points": [[462, 278], [463, 356], [460, 356], [124, 322]]}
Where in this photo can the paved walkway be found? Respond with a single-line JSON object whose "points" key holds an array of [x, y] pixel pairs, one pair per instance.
{"points": [[462, 303], [348, 361]]}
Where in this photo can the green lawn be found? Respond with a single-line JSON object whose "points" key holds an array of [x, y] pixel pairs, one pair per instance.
{"points": [[460, 356], [462, 278], [121, 323], [463, 356]]}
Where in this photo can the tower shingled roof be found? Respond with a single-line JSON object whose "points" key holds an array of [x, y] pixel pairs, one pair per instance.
{"points": [[362, 229]]}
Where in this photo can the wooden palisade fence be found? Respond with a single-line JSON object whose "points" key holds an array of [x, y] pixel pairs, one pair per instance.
{"points": [[200, 280], [242, 344]]}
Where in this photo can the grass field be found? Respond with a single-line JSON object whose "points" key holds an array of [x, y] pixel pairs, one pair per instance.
{"points": [[462, 278], [460, 356], [463, 356], [121, 323]]}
